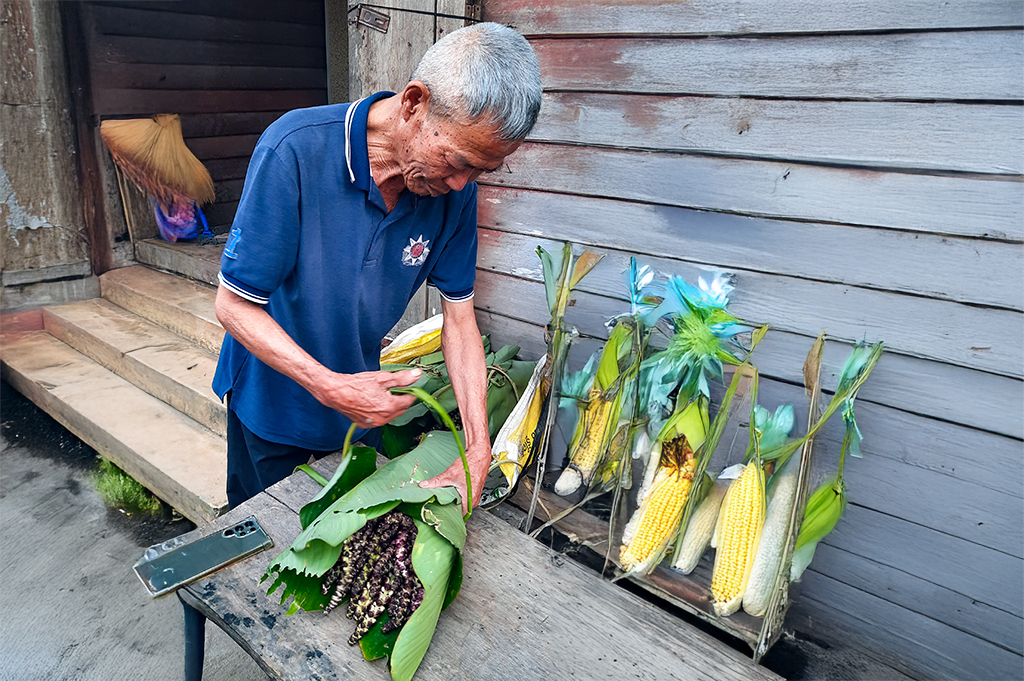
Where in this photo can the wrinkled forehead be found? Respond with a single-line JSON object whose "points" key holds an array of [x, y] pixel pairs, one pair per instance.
{"points": [[477, 139]]}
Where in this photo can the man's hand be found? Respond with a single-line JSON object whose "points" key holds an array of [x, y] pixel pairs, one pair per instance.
{"points": [[366, 397], [455, 475]]}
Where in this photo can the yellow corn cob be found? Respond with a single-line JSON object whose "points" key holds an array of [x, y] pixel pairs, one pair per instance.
{"points": [[586, 450], [424, 345], [738, 533], [659, 514], [524, 434], [699, 529]]}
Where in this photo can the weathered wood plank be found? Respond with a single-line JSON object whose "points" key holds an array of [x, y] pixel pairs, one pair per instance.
{"points": [[712, 17], [227, 168], [975, 65], [972, 337], [221, 213], [974, 138], [962, 270], [983, 400], [907, 474], [215, 125], [827, 608], [143, 23], [222, 146], [986, 400], [978, 572], [149, 102], [228, 191], [297, 12], [987, 207], [134, 50], [107, 76], [917, 595], [970, 456]]}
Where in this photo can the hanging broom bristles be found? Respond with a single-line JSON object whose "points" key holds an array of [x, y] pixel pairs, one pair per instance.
{"points": [[152, 153]]}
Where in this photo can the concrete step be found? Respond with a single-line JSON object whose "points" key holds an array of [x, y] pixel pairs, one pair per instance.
{"points": [[201, 263], [182, 306], [149, 356], [181, 461]]}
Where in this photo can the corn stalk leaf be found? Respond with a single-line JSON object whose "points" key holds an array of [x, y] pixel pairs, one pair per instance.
{"points": [[586, 262]]}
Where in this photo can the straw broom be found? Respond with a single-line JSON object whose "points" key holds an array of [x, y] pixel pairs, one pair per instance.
{"points": [[151, 152]]}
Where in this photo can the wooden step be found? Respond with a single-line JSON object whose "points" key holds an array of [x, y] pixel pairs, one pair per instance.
{"points": [[163, 364], [201, 263], [181, 461], [182, 306]]}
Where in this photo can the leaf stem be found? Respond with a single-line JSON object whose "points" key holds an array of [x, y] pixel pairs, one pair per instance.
{"points": [[321, 480], [443, 413]]}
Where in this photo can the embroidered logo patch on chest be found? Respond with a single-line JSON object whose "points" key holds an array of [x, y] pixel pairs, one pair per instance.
{"points": [[416, 252]]}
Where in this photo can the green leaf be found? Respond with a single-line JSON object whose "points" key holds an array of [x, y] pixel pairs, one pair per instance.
{"points": [[375, 644], [551, 264], [398, 440], [454, 582], [447, 520], [304, 588], [619, 342], [360, 463], [433, 558]]}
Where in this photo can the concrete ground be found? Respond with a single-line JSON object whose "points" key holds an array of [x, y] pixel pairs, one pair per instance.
{"points": [[70, 605]]}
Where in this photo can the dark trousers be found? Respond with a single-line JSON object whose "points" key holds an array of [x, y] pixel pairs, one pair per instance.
{"points": [[255, 464]]}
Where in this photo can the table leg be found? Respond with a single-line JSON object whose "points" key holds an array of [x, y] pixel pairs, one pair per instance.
{"points": [[195, 642]]}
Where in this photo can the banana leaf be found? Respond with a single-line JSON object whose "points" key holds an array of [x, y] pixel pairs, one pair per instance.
{"points": [[436, 554], [507, 379]]}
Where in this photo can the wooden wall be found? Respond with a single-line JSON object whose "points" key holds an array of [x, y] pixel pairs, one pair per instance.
{"points": [[230, 68], [858, 167]]}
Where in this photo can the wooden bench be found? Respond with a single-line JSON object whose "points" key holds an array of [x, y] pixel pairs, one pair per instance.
{"points": [[525, 612]]}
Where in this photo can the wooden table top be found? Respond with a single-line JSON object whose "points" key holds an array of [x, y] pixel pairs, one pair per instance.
{"points": [[524, 612]]}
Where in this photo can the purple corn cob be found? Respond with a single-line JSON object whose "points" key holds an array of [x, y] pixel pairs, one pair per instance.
{"points": [[382, 536], [377, 602]]}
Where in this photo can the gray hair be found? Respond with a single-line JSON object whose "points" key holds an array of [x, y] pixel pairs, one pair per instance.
{"points": [[484, 70]]}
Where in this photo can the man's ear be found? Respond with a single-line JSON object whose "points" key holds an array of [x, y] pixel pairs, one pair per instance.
{"points": [[415, 100]]}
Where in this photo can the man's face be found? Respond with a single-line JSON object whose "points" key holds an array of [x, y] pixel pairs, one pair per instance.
{"points": [[443, 155]]}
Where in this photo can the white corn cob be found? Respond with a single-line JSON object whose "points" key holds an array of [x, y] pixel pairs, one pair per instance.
{"points": [[773, 539], [699, 529]]}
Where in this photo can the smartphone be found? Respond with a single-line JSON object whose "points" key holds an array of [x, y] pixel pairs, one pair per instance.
{"points": [[173, 564]]}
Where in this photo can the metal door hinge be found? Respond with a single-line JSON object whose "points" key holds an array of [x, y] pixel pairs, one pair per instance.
{"points": [[371, 18]]}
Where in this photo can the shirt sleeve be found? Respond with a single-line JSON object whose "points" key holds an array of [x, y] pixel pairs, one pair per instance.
{"points": [[263, 245], [454, 273]]}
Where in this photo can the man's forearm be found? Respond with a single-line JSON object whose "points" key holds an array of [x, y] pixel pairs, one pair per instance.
{"points": [[467, 368], [250, 325], [363, 397]]}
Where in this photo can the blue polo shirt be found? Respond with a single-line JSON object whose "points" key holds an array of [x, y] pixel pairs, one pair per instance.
{"points": [[313, 242]]}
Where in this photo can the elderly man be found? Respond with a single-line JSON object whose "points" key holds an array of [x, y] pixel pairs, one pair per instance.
{"points": [[347, 209]]}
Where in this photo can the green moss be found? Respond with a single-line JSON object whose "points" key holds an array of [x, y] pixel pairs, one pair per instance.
{"points": [[120, 490]]}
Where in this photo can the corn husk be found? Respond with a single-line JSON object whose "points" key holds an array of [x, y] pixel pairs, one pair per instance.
{"points": [[417, 341], [517, 442]]}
